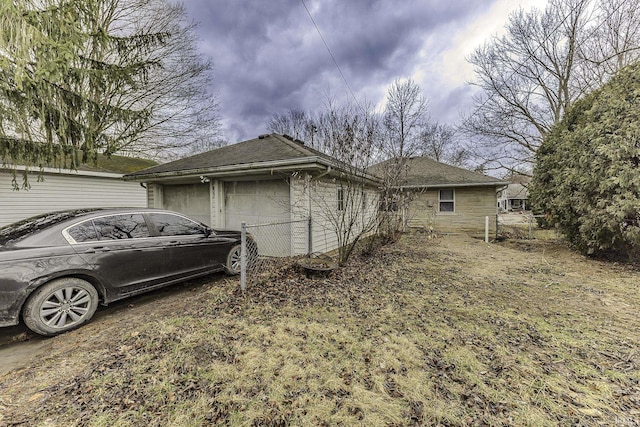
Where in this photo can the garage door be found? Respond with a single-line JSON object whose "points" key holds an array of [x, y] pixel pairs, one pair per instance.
{"points": [[190, 199], [261, 202]]}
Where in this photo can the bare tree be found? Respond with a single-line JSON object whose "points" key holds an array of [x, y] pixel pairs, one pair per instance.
{"points": [[349, 135], [527, 78], [545, 62], [613, 43], [405, 116], [438, 141], [296, 123]]}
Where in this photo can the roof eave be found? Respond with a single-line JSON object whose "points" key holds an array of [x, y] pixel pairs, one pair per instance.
{"points": [[452, 185], [230, 170]]}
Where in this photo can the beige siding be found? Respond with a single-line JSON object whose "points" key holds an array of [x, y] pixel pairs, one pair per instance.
{"points": [[66, 191], [472, 205]]}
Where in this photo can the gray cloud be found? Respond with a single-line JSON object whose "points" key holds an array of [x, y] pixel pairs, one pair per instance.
{"points": [[269, 58]]}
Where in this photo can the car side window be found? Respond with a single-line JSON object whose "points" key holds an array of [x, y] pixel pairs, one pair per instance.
{"points": [[84, 232], [175, 225], [116, 227]]}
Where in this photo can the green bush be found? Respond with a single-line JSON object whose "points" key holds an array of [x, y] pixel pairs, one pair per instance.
{"points": [[587, 178]]}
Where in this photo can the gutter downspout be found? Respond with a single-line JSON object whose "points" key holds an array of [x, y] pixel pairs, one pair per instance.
{"points": [[324, 173]]}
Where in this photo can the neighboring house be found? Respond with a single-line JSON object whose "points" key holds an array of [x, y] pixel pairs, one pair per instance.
{"points": [[446, 198], [67, 189], [515, 197], [270, 179]]}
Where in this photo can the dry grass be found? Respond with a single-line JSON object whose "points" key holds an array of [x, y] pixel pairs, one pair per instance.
{"points": [[446, 332]]}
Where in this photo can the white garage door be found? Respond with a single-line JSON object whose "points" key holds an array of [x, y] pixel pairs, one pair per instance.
{"points": [[190, 199], [261, 202]]}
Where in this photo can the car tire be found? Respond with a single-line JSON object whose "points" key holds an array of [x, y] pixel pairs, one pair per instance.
{"points": [[60, 306], [233, 264]]}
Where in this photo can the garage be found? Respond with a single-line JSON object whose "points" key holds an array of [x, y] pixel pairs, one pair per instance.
{"points": [[189, 199], [261, 202]]}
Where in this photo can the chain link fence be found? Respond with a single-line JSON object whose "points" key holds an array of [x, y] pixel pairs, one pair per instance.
{"points": [[268, 247], [522, 226]]}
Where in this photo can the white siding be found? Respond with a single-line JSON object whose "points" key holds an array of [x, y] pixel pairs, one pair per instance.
{"points": [[324, 213], [300, 207], [66, 191]]}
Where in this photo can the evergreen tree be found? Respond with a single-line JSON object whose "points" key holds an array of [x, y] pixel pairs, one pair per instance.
{"points": [[587, 175], [82, 77]]}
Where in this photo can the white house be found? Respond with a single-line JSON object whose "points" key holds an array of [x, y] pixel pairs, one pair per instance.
{"points": [[65, 189]]}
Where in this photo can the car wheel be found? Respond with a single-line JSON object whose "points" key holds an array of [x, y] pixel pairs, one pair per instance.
{"points": [[233, 264], [59, 306]]}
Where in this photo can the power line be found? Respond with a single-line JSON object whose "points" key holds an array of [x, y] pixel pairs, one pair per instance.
{"points": [[331, 54]]}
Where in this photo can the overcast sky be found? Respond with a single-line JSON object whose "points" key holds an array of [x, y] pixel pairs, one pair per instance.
{"points": [[268, 56]]}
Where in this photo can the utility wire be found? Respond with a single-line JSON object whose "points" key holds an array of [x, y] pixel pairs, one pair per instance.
{"points": [[331, 54]]}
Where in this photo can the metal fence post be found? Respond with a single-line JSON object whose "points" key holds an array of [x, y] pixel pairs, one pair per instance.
{"points": [[309, 238], [243, 256], [530, 227], [486, 229]]}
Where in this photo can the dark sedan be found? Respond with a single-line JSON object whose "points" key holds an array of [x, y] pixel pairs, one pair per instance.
{"points": [[56, 268]]}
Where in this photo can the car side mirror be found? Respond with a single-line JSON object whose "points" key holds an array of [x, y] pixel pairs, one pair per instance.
{"points": [[208, 231]]}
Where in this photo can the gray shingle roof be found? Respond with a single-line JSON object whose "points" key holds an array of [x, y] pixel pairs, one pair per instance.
{"points": [[423, 171], [266, 148]]}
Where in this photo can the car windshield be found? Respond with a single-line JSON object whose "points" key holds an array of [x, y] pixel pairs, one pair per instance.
{"points": [[18, 230]]}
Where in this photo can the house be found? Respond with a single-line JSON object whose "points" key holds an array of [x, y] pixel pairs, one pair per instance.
{"points": [[444, 197], [272, 179], [58, 189], [515, 197]]}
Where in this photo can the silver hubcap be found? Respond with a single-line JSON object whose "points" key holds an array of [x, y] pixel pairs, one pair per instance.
{"points": [[65, 307], [235, 260]]}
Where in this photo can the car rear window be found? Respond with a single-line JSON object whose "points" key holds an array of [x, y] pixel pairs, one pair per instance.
{"points": [[18, 230]]}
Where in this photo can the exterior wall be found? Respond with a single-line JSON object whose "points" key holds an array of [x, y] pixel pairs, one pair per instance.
{"points": [[268, 201], [66, 190], [472, 205], [319, 200]]}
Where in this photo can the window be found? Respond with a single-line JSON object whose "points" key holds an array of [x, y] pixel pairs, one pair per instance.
{"points": [[175, 225], [84, 232], [446, 200], [340, 199], [117, 227], [364, 201]]}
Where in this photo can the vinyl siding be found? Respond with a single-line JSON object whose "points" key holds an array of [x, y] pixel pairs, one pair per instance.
{"points": [[66, 191], [324, 207], [472, 205]]}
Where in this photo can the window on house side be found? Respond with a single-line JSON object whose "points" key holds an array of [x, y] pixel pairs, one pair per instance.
{"points": [[340, 199], [447, 200], [364, 201]]}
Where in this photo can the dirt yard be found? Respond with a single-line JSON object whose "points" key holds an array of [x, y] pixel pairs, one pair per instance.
{"points": [[448, 331]]}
